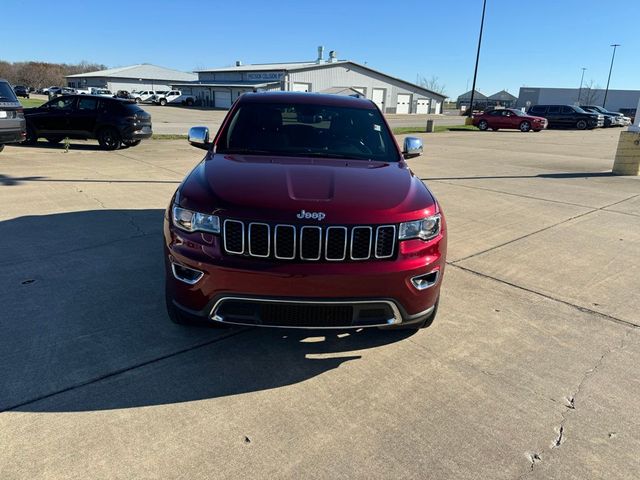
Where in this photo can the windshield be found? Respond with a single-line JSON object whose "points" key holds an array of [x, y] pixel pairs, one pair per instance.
{"points": [[308, 130], [580, 110], [518, 113]]}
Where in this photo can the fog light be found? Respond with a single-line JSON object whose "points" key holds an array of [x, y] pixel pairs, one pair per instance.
{"points": [[422, 282], [186, 274]]}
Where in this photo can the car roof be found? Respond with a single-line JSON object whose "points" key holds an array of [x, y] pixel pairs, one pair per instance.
{"points": [[307, 98], [78, 95]]}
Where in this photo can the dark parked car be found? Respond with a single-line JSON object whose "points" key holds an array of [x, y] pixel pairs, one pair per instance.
{"points": [[567, 116], [21, 91], [112, 121], [508, 118], [12, 126], [58, 91], [123, 94], [304, 213]]}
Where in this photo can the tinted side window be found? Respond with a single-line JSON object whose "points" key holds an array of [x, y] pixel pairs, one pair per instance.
{"points": [[109, 106], [62, 104], [554, 109], [87, 104], [566, 109]]}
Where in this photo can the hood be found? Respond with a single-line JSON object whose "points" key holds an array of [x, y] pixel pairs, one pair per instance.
{"points": [[278, 189]]}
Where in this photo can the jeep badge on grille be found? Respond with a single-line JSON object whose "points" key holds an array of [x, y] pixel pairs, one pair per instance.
{"points": [[315, 215]]}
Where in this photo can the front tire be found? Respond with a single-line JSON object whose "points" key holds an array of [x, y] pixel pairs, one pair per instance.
{"points": [[483, 125], [138, 100], [189, 102], [582, 124], [109, 138], [1, 147], [163, 102], [525, 126]]}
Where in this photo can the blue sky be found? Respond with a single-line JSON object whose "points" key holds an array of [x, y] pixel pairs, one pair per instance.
{"points": [[536, 43]]}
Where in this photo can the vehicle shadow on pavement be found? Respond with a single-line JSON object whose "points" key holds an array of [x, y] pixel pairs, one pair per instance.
{"points": [[85, 327], [74, 145]]}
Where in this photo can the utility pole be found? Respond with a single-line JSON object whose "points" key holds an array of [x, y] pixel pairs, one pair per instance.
{"points": [[580, 90], [613, 56], [475, 72]]}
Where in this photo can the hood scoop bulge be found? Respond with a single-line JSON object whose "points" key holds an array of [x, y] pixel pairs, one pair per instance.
{"points": [[319, 186]]}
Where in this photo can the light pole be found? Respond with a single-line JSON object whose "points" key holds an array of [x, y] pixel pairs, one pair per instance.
{"points": [[580, 90], [613, 56], [475, 72]]}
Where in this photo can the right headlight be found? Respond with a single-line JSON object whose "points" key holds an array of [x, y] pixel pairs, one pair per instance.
{"points": [[424, 229], [194, 221]]}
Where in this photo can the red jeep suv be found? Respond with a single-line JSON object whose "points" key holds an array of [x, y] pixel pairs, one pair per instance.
{"points": [[304, 213]]}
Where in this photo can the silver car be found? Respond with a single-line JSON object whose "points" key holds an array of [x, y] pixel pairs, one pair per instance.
{"points": [[13, 128]]}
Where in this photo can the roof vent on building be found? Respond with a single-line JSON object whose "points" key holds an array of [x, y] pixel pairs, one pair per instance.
{"points": [[333, 56], [320, 54], [238, 63]]}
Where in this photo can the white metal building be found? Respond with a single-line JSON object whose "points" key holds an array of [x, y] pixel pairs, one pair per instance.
{"points": [[134, 77], [616, 99], [219, 87]]}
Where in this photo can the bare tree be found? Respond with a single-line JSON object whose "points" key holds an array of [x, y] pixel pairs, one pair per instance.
{"points": [[590, 94], [432, 84], [42, 74]]}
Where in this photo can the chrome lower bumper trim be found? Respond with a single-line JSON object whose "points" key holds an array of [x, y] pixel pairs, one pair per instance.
{"points": [[395, 320]]}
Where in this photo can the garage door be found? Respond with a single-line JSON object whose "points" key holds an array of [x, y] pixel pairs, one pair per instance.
{"points": [[377, 95], [222, 99], [422, 105], [404, 101], [300, 87]]}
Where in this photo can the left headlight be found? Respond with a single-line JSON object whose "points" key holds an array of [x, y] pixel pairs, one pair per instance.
{"points": [[195, 221], [424, 229]]}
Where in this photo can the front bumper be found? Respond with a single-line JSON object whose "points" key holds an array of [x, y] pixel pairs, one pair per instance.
{"points": [[373, 293]]}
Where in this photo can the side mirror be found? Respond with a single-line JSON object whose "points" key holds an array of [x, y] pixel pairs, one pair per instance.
{"points": [[412, 147], [199, 137]]}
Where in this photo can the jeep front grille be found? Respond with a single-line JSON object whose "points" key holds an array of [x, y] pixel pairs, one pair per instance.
{"points": [[309, 243]]}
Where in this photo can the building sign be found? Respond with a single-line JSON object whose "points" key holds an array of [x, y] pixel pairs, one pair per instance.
{"points": [[264, 76]]}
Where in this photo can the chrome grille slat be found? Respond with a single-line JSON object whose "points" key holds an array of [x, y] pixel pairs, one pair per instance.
{"points": [[251, 243], [328, 244], [309, 228], [275, 242], [309, 243], [227, 224], [354, 235]]}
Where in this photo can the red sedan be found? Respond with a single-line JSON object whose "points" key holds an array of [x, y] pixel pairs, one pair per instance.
{"points": [[508, 118]]}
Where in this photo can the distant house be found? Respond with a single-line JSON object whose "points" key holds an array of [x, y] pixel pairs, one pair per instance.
{"points": [[479, 100], [134, 77], [502, 99]]}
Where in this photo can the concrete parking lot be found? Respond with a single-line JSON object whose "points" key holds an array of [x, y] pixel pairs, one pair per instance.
{"points": [[529, 371]]}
